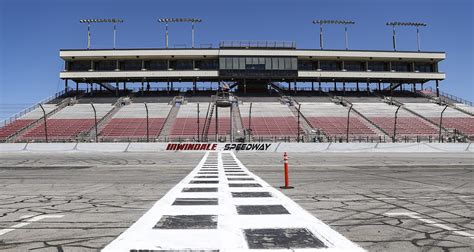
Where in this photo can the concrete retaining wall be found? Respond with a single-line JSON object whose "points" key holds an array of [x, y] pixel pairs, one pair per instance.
{"points": [[269, 147]]}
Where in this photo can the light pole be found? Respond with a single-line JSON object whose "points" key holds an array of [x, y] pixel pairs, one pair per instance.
{"points": [[348, 120], [394, 139], [147, 123], [45, 125], [299, 109], [101, 20], [415, 24], [338, 22], [166, 21], [199, 139], [95, 122], [441, 123]]}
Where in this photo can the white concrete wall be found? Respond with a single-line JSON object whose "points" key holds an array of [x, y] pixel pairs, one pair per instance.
{"points": [[272, 147]]}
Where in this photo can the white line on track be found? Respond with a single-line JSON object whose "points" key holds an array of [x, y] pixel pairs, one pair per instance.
{"points": [[28, 219], [229, 234], [431, 222]]}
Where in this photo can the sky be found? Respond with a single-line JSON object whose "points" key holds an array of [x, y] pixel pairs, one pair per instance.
{"points": [[33, 31]]}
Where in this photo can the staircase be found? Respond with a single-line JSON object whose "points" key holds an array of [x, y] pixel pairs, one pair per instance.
{"points": [[65, 102], [90, 134], [435, 125], [207, 122], [367, 122], [238, 124], [168, 125], [108, 86]]}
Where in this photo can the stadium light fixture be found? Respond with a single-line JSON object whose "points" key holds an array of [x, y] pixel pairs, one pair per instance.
{"points": [[101, 20], [179, 20], [417, 25], [337, 22]]}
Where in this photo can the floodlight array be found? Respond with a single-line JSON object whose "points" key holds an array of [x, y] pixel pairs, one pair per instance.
{"points": [[179, 20], [102, 20], [343, 22], [396, 23]]}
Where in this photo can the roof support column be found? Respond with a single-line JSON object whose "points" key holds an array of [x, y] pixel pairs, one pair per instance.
{"points": [[437, 88]]}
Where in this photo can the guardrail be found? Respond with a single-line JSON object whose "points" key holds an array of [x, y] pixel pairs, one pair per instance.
{"points": [[15, 116], [451, 97], [257, 44]]}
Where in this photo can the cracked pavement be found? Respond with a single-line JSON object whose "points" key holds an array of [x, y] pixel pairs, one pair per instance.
{"points": [[101, 195]]}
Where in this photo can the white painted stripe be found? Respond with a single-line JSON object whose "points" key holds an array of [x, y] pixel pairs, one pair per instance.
{"points": [[28, 221], [229, 235], [432, 222]]}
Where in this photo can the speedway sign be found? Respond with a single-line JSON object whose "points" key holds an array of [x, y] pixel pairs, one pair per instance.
{"points": [[220, 147]]}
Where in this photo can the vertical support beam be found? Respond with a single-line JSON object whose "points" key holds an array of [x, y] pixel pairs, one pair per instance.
{"points": [[66, 87], [245, 86], [312, 86], [319, 85], [77, 87], [357, 86], [379, 86], [143, 86], [437, 88], [198, 124], [344, 87], [335, 87], [217, 121], [147, 124], [194, 87], [117, 88]]}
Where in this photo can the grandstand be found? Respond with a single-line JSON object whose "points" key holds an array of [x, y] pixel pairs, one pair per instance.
{"points": [[277, 93]]}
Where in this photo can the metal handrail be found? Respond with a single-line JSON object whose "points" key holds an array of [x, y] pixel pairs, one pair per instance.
{"points": [[25, 111], [452, 97]]}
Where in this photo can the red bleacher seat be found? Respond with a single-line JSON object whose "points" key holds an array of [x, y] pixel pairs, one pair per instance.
{"points": [[13, 127], [272, 126], [59, 129], [463, 124], [337, 126], [188, 127], [405, 126], [131, 128]]}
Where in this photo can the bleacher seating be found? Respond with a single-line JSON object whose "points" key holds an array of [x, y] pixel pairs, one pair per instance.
{"points": [[332, 120], [383, 114], [452, 118], [130, 121], [67, 123], [269, 119], [24, 121]]}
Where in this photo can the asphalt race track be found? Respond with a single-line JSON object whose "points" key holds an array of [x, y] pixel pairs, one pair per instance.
{"points": [[379, 201]]}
